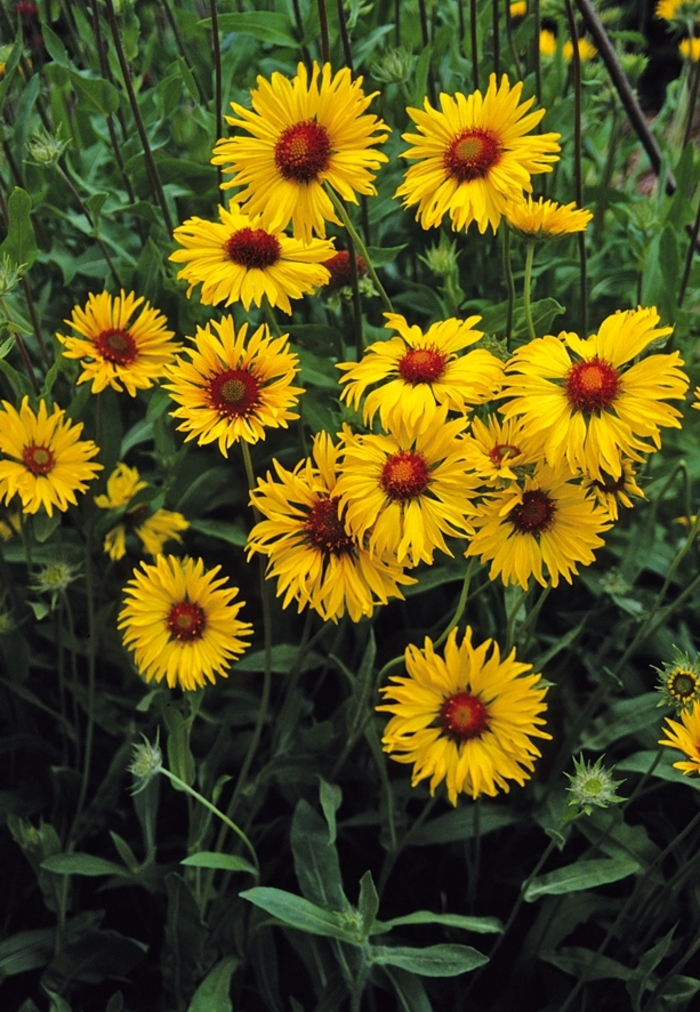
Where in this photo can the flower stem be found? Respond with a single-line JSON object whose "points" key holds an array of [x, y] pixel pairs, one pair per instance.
{"points": [[510, 285], [353, 233], [461, 604], [529, 256]]}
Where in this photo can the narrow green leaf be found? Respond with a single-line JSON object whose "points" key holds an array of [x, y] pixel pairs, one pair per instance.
{"points": [[95, 93], [446, 960], [11, 66], [459, 825], [582, 875], [380, 256], [408, 989], [27, 950], [54, 46], [19, 243], [263, 26], [188, 78], [482, 925], [213, 994], [316, 860], [575, 960], [331, 797], [368, 904], [83, 864], [299, 913], [232, 533], [223, 862], [642, 979]]}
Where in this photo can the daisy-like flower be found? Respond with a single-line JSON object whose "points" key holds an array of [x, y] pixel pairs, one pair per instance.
{"points": [[404, 491], [417, 371], [518, 9], [181, 622], [586, 49], [685, 737], [544, 528], [474, 155], [583, 400], [539, 220], [679, 681], [152, 529], [115, 350], [612, 492], [315, 561], [690, 49], [548, 42], [236, 260], [304, 133], [496, 450], [233, 387], [681, 11], [45, 460], [468, 719]]}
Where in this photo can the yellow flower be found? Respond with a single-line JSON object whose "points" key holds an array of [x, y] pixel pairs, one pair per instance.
{"points": [[153, 530], [403, 491], [180, 622], [545, 219], [115, 349], [681, 11], [518, 9], [611, 492], [586, 49], [304, 134], [315, 561], [233, 388], [11, 526], [690, 49], [548, 42], [586, 403], [420, 370], [236, 260], [46, 462], [474, 156], [467, 719], [685, 737], [543, 528], [495, 451]]}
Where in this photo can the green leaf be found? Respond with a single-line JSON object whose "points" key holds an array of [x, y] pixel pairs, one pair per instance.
{"points": [[95, 203], [263, 26], [382, 255], [27, 950], [232, 533], [185, 938], [408, 990], [95, 93], [115, 1003], [188, 78], [59, 1004], [317, 371], [331, 797], [663, 769], [459, 825], [213, 994], [625, 717], [482, 925], [83, 864], [316, 860], [10, 66], [126, 853], [299, 913], [446, 960], [642, 979], [284, 657], [582, 875], [222, 862], [54, 46], [19, 243], [576, 960], [368, 904]]}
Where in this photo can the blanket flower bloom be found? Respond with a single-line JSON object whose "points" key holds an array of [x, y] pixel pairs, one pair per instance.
{"points": [[418, 371], [685, 736], [468, 718], [497, 449], [236, 260], [233, 387], [547, 523], [153, 529], [45, 460], [584, 400], [474, 155], [312, 556], [117, 348], [304, 134], [540, 220], [181, 622]]}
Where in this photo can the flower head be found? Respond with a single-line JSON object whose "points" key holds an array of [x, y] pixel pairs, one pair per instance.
{"points": [[680, 12], [418, 371], [468, 719], [517, 9], [685, 737], [499, 450], [679, 681], [181, 623], [539, 220], [304, 134], [153, 529], [115, 350], [474, 156], [46, 462], [548, 42], [233, 387], [236, 260], [586, 49], [340, 270], [690, 49], [312, 556], [592, 785], [611, 492], [543, 528], [585, 401]]}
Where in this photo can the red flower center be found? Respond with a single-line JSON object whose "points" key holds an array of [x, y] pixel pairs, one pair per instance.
{"points": [[38, 459], [234, 392], [186, 622], [302, 151], [325, 531], [535, 514], [502, 451], [405, 475], [253, 248], [116, 346], [339, 267], [592, 385], [422, 365], [464, 716], [472, 154]]}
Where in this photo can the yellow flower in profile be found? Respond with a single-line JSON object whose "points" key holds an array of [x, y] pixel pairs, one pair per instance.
{"points": [[548, 42], [417, 371], [153, 529], [468, 719], [537, 220], [543, 528], [11, 526], [233, 387], [586, 403], [474, 155], [690, 49], [236, 260], [681, 11], [496, 450], [518, 9], [181, 623], [613, 492], [685, 736], [114, 348], [586, 49], [311, 555], [305, 134], [46, 462], [405, 490]]}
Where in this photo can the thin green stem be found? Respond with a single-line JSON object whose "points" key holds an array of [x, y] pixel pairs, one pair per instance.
{"points": [[461, 604], [578, 161], [323, 25], [356, 302], [496, 39], [474, 33], [527, 285], [510, 285], [19, 341], [218, 81], [271, 321], [352, 231]]}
